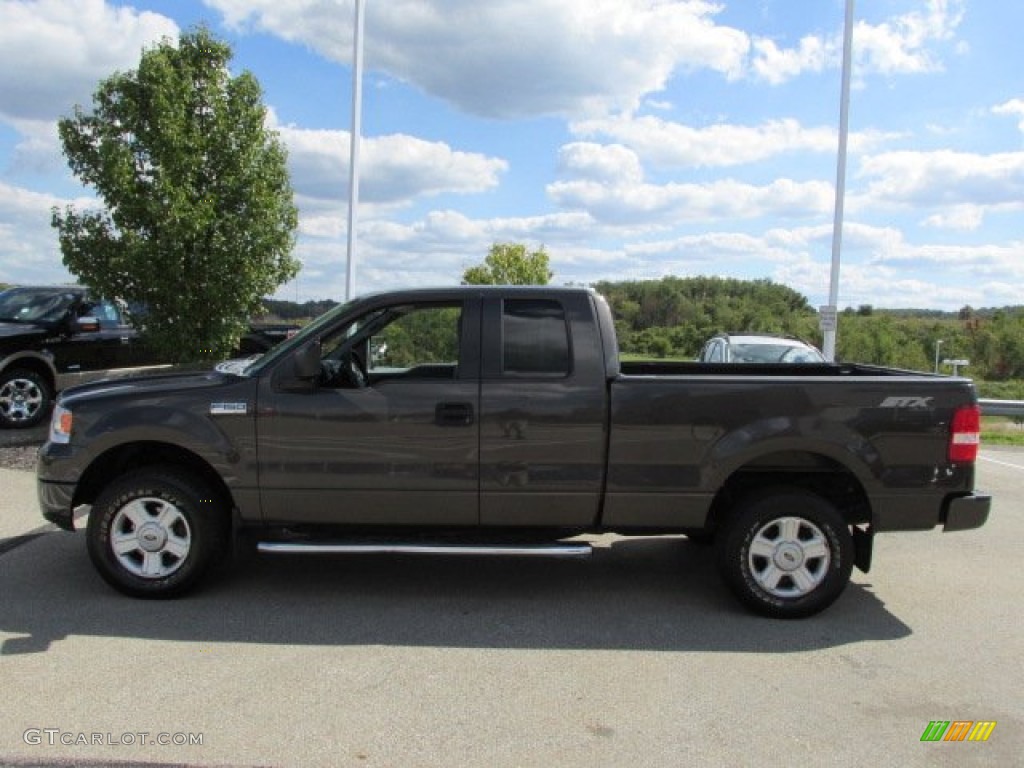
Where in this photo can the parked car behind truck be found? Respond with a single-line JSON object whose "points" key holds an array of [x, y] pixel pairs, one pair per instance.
{"points": [[758, 348], [501, 420], [54, 336]]}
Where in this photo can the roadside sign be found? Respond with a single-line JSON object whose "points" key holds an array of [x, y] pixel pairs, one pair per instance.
{"points": [[827, 318]]}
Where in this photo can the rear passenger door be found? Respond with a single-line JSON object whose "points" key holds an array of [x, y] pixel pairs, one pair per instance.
{"points": [[543, 402]]}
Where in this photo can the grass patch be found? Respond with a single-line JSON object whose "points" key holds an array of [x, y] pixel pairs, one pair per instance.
{"points": [[1002, 438], [1002, 430]]}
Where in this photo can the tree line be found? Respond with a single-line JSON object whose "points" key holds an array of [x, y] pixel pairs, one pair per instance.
{"points": [[671, 318]]}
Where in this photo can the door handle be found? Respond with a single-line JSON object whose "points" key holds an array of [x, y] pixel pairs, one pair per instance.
{"points": [[453, 414]]}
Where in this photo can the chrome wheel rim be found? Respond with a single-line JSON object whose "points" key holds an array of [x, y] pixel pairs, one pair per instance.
{"points": [[20, 399], [789, 557], [150, 537]]}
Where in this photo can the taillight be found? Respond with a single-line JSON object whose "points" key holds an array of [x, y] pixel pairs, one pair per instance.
{"points": [[965, 435]]}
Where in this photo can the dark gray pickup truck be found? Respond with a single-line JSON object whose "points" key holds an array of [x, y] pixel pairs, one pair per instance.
{"points": [[501, 421]]}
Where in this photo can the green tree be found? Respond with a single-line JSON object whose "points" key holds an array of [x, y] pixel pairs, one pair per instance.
{"points": [[199, 221], [510, 264]]}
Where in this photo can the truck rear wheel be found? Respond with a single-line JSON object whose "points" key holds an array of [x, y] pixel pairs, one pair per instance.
{"points": [[786, 553], [155, 532]]}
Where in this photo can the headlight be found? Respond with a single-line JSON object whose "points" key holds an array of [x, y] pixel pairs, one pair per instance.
{"points": [[60, 424]]}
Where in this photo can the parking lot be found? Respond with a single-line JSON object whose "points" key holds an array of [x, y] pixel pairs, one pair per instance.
{"points": [[636, 657]]}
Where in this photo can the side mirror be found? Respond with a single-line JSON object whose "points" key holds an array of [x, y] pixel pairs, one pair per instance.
{"points": [[306, 363], [85, 324]]}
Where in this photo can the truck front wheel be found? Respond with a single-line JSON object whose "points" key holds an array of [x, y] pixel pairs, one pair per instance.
{"points": [[25, 399], [786, 553], [155, 532]]}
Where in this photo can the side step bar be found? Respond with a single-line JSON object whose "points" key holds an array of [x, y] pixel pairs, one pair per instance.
{"points": [[560, 549]]}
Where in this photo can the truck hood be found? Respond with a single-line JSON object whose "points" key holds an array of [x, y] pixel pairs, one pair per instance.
{"points": [[21, 330], [145, 386]]}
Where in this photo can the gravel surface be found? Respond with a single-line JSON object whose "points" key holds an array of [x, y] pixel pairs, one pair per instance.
{"points": [[18, 457]]}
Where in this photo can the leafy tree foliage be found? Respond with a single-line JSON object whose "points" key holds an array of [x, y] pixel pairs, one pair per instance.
{"points": [[674, 316], [290, 310], [510, 264], [430, 334], [198, 222]]}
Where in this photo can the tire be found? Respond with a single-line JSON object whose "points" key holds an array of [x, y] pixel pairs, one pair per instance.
{"points": [[787, 553], [25, 398], [700, 537], [156, 531]]}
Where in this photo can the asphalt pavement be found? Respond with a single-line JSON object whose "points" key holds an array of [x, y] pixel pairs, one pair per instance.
{"points": [[636, 657]]}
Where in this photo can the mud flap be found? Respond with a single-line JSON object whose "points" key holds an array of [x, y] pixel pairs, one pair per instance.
{"points": [[863, 540]]}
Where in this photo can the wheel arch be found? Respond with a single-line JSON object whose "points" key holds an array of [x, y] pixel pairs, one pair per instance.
{"points": [[810, 470], [31, 361], [128, 457]]}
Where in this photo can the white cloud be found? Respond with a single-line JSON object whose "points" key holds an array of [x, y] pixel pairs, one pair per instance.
{"points": [[600, 162], [880, 267], [945, 179], [53, 53], [38, 150], [506, 58], [959, 217], [904, 44], [1014, 108], [777, 65], [29, 252], [637, 204], [394, 169], [669, 144]]}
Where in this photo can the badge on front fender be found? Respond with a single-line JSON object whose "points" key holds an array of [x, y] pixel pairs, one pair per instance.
{"points": [[228, 409]]}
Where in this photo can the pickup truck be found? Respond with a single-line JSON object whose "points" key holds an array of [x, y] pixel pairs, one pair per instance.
{"points": [[52, 337], [500, 420], [55, 336]]}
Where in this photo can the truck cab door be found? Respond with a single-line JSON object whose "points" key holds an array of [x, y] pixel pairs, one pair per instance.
{"points": [[389, 434], [543, 411]]}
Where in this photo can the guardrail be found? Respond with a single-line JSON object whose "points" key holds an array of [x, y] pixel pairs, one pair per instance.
{"points": [[1002, 407]]}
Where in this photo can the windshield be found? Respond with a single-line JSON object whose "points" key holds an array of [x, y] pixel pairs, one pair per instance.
{"points": [[774, 353], [34, 305], [311, 331]]}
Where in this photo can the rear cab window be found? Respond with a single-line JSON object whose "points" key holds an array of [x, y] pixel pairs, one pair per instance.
{"points": [[534, 339]]}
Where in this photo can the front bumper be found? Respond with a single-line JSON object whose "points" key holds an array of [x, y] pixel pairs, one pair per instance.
{"points": [[55, 503], [962, 513]]}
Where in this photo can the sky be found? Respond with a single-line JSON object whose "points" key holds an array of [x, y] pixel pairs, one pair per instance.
{"points": [[631, 139]]}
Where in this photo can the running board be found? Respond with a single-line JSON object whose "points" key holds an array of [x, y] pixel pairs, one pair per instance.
{"points": [[327, 548]]}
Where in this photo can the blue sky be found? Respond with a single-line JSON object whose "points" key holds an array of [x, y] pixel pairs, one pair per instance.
{"points": [[631, 138]]}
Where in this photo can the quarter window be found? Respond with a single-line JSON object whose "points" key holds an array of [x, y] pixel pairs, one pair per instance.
{"points": [[535, 339]]}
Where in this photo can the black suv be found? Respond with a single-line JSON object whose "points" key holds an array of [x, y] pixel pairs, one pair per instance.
{"points": [[56, 336]]}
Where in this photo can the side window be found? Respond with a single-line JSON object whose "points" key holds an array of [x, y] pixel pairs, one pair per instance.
{"points": [[107, 313], [424, 338], [414, 341], [716, 352], [535, 338]]}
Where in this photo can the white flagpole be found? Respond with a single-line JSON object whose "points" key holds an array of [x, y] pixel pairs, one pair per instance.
{"points": [[837, 225], [354, 139]]}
